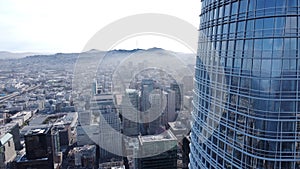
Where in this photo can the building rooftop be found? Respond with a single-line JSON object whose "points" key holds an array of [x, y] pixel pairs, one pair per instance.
{"points": [[165, 136], [103, 97], [131, 91], [23, 158], [5, 138], [38, 131], [6, 127], [177, 125]]}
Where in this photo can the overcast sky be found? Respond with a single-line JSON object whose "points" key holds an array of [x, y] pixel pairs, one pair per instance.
{"points": [[66, 25]]}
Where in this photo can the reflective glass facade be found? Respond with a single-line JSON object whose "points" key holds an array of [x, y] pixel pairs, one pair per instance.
{"points": [[247, 82]]}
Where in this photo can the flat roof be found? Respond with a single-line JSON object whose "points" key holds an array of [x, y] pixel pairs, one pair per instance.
{"points": [[38, 131], [5, 138], [165, 136]]}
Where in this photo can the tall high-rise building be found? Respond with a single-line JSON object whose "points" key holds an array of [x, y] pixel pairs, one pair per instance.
{"points": [[40, 145], [150, 148], [153, 116], [178, 88], [147, 87], [130, 112], [104, 129], [247, 83]]}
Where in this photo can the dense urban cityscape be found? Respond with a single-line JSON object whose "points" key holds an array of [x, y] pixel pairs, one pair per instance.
{"points": [[232, 104], [41, 128]]}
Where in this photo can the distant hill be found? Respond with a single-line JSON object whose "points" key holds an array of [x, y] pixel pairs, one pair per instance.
{"points": [[70, 58], [11, 55]]}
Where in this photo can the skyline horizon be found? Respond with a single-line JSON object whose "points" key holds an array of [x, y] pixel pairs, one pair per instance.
{"points": [[32, 26]]}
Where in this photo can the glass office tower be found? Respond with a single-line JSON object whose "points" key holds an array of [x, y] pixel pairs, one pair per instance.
{"points": [[247, 82]]}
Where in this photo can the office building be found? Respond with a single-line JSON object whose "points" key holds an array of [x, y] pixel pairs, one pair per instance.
{"points": [[158, 151], [41, 146], [246, 104], [104, 129], [171, 106], [147, 86], [178, 88], [130, 112], [7, 150]]}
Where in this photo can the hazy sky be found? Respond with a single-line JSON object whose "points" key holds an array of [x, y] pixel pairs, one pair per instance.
{"points": [[66, 25]]}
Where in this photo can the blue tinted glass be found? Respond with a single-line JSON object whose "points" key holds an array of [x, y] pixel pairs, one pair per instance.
{"points": [[292, 3], [243, 6], [259, 23], [258, 44], [225, 28], [234, 7], [215, 13], [276, 67], [279, 21], [268, 23], [227, 10], [278, 44], [267, 44], [251, 5], [260, 4], [270, 3], [241, 26], [239, 45], [221, 12], [232, 27], [291, 22], [248, 44], [250, 25], [280, 3]]}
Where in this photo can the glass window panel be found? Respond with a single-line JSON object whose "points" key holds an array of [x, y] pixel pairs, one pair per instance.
{"points": [[287, 44], [248, 44], [259, 24], [257, 54], [231, 45], [247, 64], [276, 67], [234, 8], [270, 3], [243, 6], [260, 4], [241, 26], [258, 44], [251, 5], [215, 13], [279, 22], [225, 29], [211, 15], [293, 44], [285, 64], [267, 44], [268, 23], [227, 10], [278, 44], [219, 29], [229, 62], [237, 62], [280, 3], [256, 67], [291, 22], [266, 66], [224, 46], [239, 45], [232, 27], [221, 12], [291, 3], [250, 25], [293, 65]]}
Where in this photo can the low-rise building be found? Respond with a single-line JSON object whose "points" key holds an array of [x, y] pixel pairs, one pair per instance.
{"points": [[7, 150]]}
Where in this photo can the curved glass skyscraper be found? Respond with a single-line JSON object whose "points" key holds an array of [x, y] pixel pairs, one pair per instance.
{"points": [[247, 82]]}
